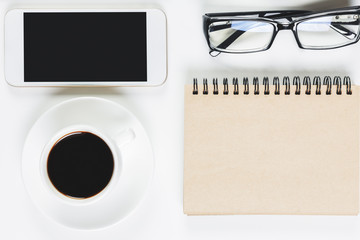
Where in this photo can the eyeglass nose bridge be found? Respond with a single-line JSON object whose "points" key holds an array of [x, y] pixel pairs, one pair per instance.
{"points": [[285, 26]]}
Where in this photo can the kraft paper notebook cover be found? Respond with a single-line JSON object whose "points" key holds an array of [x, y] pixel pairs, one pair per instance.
{"points": [[271, 154]]}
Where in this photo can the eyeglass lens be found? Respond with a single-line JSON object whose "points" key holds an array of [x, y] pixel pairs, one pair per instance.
{"points": [[240, 36], [329, 31]]}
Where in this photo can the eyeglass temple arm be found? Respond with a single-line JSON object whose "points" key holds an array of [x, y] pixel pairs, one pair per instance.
{"points": [[227, 42], [284, 14], [267, 14], [232, 38], [343, 31], [274, 15]]}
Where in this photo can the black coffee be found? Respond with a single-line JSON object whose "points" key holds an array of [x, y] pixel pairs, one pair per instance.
{"points": [[80, 165]]}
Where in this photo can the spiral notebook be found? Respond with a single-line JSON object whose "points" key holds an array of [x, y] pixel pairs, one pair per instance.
{"points": [[271, 148]]}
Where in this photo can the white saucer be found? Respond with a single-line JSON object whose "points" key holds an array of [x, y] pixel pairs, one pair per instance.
{"points": [[136, 167]]}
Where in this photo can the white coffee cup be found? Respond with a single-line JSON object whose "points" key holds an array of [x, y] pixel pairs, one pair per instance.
{"points": [[121, 130], [115, 142]]}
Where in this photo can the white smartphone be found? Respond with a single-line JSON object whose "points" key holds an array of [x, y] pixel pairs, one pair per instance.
{"points": [[93, 47]]}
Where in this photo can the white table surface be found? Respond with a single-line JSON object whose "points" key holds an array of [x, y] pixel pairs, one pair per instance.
{"points": [[160, 110]]}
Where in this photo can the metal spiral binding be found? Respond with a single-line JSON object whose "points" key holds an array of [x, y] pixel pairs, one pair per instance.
{"points": [[256, 86], [205, 88], [317, 81], [337, 82], [328, 83], [276, 82], [307, 82], [297, 82], [236, 86], [226, 86], [195, 87], [347, 81], [216, 86], [286, 82], [266, 86], [246, 86]]}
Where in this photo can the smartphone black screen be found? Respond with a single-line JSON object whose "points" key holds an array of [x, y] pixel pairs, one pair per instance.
{"points": [[85, 47]]}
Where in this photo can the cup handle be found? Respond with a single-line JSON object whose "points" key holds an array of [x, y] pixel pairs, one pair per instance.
{"points": [[124, 137]]}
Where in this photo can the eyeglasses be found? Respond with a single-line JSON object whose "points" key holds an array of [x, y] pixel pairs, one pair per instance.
{"points": [[247, 32]]}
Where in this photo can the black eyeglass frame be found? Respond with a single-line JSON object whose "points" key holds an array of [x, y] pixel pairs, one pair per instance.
{"points": [[295, 17]]}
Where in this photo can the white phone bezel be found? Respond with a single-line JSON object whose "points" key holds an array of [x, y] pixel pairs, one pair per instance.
{"points": [[156, 48]]}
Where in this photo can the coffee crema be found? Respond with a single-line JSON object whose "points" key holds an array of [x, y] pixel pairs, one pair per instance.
{"points": [[80, 165]]}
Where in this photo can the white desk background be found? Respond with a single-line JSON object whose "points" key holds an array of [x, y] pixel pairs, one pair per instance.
{"points": [[160, 110]]}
